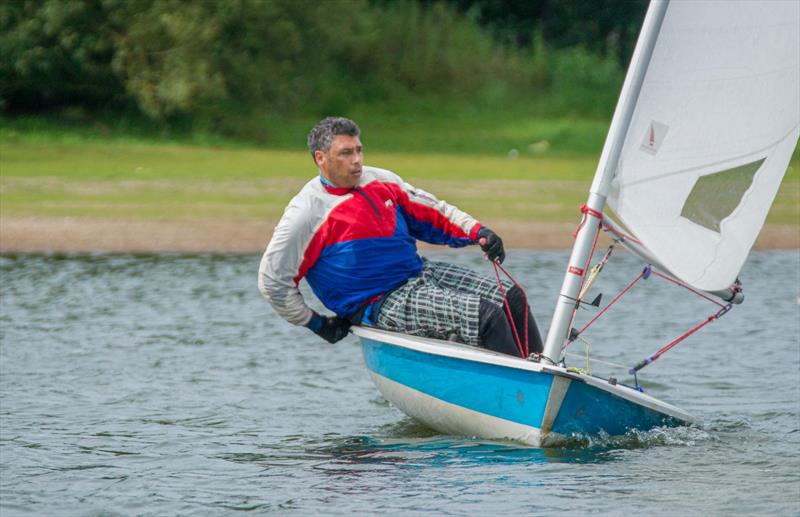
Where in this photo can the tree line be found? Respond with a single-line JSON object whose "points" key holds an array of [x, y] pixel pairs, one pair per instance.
{"points": [[225, 63]]}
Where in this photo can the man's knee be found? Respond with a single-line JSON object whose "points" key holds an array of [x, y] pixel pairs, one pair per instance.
{"points": [[494, 331]]}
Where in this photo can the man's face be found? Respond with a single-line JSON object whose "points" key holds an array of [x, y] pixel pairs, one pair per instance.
{"points": [[342, 164]]}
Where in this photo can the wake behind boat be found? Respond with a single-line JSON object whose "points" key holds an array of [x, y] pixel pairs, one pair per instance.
{"points": [[706, 123]]}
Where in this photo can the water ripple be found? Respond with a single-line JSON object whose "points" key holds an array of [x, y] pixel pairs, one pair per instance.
{"points": [[153, 385]]}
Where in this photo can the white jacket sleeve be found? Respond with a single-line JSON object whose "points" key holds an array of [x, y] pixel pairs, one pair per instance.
{"points": [[280, 265]]}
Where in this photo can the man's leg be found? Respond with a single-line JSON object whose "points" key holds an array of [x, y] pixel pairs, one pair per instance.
{"points": [[516, 301], [495, 332], [465, 280], [422, 308], [451, 276]]}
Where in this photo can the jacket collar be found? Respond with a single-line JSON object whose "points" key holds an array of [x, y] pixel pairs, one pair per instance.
{"points": [[330, 188]]}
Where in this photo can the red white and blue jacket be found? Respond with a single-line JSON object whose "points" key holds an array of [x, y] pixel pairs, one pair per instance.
{"points": [[354, 245]]}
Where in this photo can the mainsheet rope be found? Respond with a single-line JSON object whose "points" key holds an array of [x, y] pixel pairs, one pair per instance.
{"points": [[522, 346]]}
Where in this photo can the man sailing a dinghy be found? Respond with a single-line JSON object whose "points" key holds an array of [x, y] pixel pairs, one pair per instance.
{"points": [[351, 233]]}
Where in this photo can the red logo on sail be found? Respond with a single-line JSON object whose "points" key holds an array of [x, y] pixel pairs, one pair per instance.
{"points": [[575, 270], [653, 137]]}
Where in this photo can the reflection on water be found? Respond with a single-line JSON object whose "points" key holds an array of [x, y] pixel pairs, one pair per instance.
{"points": [[440, 451], [152, 385], [408, 443]]}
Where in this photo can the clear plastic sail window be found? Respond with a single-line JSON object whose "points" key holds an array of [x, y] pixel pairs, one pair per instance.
{"points": [[715, 196]]}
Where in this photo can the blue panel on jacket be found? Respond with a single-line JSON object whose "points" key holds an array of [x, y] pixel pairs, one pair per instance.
{"points": [[425, 231], [349, 273]]}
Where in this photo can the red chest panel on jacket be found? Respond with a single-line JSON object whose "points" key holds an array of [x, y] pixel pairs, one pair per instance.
{"points": [[369, 213]]}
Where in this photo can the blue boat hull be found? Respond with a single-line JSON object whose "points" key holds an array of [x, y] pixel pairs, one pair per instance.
{"points": [[457, 389]]}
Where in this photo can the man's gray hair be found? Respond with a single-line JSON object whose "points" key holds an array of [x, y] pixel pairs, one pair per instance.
{"points": [[321, 135]]}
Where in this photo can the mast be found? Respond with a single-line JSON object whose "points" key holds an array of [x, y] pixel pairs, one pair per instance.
{"points": [[606, 168]]}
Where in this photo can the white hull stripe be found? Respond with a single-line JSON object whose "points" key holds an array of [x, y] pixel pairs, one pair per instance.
{"points": [[452, 419]]}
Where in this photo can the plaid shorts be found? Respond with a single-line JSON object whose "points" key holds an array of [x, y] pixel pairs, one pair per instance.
{"points": [[441, 302]]}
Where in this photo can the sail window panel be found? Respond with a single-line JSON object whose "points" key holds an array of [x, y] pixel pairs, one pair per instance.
{"points": [[715, 196]]}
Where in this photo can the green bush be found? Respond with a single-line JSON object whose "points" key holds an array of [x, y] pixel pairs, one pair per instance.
{"points": [[242, 67], [55, 53], [584, 83]]}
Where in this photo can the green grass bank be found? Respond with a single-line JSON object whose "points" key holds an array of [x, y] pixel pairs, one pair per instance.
{"points": [[86, 177]]}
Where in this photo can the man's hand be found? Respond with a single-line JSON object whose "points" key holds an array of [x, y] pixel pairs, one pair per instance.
{"points": [[491, 244], [329, 328]]}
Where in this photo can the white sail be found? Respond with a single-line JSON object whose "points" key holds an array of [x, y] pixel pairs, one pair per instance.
{"points": [[714, 127]]}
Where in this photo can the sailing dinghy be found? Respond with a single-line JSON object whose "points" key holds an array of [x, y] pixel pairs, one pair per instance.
{"points": [[705, 126]]}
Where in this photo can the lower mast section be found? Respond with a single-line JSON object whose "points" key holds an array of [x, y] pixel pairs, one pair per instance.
{"points": [[577, 269]]}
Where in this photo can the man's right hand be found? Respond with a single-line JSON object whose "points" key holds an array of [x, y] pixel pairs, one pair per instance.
{"points": [[329, 328], [491, 244]]}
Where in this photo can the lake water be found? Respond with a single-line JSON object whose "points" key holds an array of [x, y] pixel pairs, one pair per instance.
{"points": [[165, 385]]}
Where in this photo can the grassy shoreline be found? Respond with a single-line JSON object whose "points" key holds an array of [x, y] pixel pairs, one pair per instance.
{"points": [[93, 181], [222, 236], [179, 182], [443, 130]]}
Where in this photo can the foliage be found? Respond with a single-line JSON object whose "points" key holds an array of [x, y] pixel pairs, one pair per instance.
{"points": [[585, 83], [246, 68], [56, 53], [605, 27]]}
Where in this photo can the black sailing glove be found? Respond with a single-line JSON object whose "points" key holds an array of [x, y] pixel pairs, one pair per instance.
{"points": [[329, 328], [491, 244]]}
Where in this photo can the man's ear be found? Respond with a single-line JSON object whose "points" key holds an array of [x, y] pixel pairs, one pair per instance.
{"points": [[319, 158]]}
